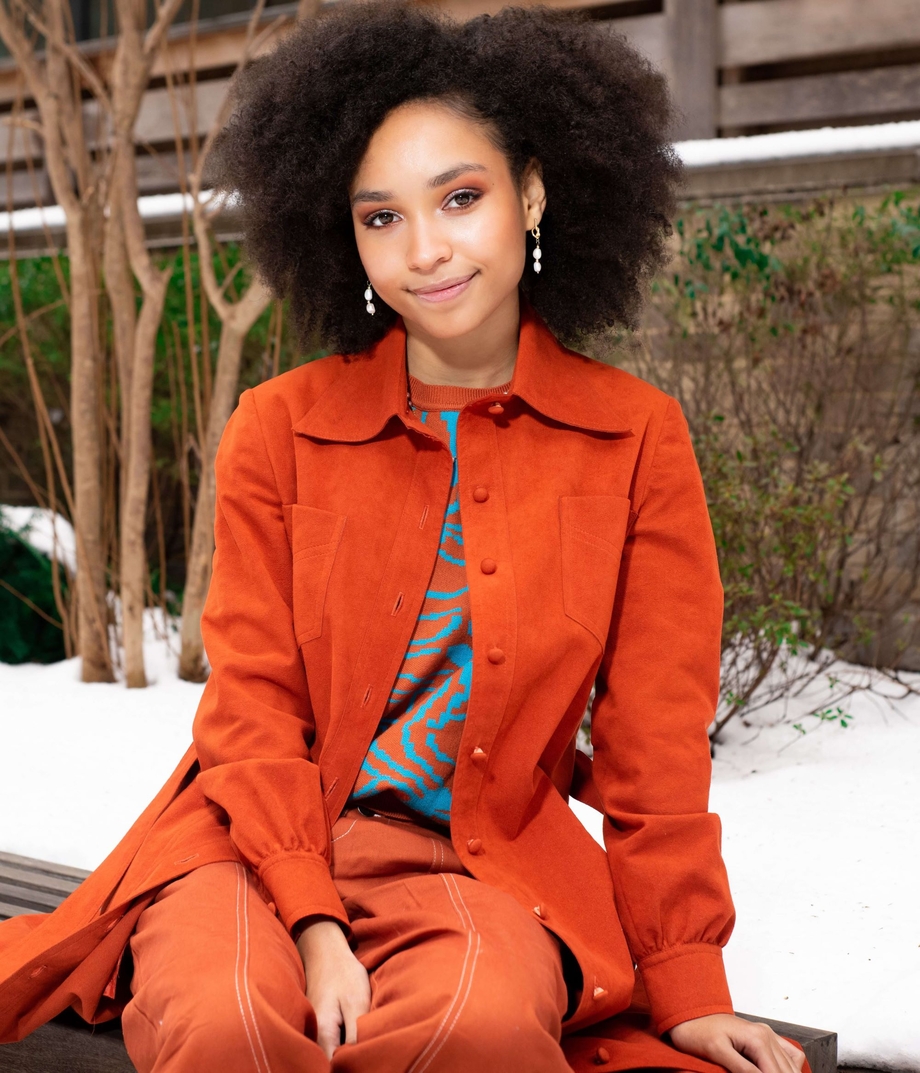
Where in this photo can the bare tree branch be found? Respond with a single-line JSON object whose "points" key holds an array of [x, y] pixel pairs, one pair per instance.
{"points": [[166, 13], [93, 80]]}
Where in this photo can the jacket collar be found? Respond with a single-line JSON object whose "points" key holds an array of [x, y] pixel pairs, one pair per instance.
{"points": [[559, 383]]}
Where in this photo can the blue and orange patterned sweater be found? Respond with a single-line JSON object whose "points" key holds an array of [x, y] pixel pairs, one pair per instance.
{"points": [[414, 751]]}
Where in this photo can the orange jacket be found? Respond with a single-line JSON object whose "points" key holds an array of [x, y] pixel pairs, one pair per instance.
{"points": [[590, 555]]}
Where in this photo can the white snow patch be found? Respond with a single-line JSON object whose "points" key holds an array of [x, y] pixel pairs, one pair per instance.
{"points": [[788, 144], [820, 838], [80, 762], [46, 532], [150, 207], [820, 832]]}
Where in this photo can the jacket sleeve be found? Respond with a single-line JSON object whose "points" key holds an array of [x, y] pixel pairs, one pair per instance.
{"points": [[254, 725], [656, 695]]}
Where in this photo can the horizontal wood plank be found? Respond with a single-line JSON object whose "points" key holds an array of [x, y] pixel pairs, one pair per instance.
{"points": [[32, 880], [820, 98], [28, 899], [28, 188], [43, 867], [31, 886], [647, 34], [771, 31], [802, 177]]}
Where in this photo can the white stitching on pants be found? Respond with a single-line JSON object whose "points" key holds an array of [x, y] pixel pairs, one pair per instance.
{"points": [[236, 975], [469, 987], [468, 917], [255, 1023], [344, 833], [472, 938]]}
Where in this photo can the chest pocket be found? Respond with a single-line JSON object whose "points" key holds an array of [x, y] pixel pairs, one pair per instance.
{"points": [[315, 537], [592, 530]]}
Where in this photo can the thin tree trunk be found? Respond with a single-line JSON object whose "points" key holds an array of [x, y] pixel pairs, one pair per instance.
{"points": [[137, 336], [55, 83], [92, 612], [134, 564], [198, 575]]}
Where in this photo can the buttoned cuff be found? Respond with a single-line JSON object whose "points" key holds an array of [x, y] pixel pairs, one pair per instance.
{"points": [[684, 982], [300, 885]]}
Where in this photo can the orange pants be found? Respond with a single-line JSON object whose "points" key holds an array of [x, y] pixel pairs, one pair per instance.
{"points": [[462, 977]]}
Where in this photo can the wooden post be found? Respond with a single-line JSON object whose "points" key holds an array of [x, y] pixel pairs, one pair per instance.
{"points": [[692, 46]]}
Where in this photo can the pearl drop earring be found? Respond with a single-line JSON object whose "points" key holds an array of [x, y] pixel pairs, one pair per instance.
{"points": [[368, 295], [537, 253]]}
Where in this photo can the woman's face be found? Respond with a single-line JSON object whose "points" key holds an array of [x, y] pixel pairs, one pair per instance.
{"points": [[439, 221]]}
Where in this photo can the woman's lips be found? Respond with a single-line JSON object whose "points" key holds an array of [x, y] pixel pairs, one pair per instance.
{"points": [[446, 293]]}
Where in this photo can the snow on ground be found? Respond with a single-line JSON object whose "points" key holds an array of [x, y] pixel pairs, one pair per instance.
{"points": [[46, 532], [79, 763], [820, 833]]}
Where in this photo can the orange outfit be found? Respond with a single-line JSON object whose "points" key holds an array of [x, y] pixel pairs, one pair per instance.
{"points": [[462, 976], [590, 556]]}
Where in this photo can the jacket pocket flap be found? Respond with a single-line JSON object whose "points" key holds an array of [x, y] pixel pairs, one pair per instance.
{"points": [[592, 531], [314, 530]]}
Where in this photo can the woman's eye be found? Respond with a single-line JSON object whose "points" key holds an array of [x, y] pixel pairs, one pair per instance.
{"points": [[376, 219], [467, 197]]}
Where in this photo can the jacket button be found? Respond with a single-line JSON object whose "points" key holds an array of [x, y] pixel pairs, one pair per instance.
{"points": [[599, 993], [496, 408], [38, 971], [488, 566], [480, 494], [496, 655], [474, 845], [478, 755], [601, 1056], [540, 910]]}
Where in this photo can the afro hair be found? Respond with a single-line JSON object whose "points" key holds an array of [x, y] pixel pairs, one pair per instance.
{"points": [[548, 83]]}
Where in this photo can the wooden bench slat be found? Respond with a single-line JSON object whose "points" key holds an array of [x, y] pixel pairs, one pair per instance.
{"points": [[7, 910], [37, 901], [43, 867], [31, 880]]}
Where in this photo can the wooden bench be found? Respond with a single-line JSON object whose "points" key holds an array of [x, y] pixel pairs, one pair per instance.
{"points": [[69, 1045]]}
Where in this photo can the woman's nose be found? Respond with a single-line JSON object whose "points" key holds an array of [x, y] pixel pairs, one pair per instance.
{"points": [[428, 246]]}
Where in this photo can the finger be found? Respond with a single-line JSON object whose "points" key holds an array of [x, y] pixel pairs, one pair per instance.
{"points": [[351, 1024], [784, 1052], [784, 1060], [757, 1045], [733, 1061], [352, 1008], [329, 1029], [795, 1054]]}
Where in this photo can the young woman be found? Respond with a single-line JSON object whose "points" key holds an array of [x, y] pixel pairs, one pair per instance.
{"points": [[430, 545]]}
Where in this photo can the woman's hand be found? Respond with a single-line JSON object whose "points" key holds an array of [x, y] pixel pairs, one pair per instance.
{"points": [[337, 983], [741, 1046]]}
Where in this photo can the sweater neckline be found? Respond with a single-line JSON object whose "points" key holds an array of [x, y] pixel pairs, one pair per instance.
{"points": [[448, 396]]}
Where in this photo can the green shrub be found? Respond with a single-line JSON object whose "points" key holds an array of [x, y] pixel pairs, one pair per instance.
{"points": [[26, 634]]}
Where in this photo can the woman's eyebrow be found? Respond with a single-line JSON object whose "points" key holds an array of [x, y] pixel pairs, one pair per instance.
{"points": [[434, 182], [452, 173]]}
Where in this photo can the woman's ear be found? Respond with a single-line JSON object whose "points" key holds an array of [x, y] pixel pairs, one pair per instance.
{"points": [[533, 193]]}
